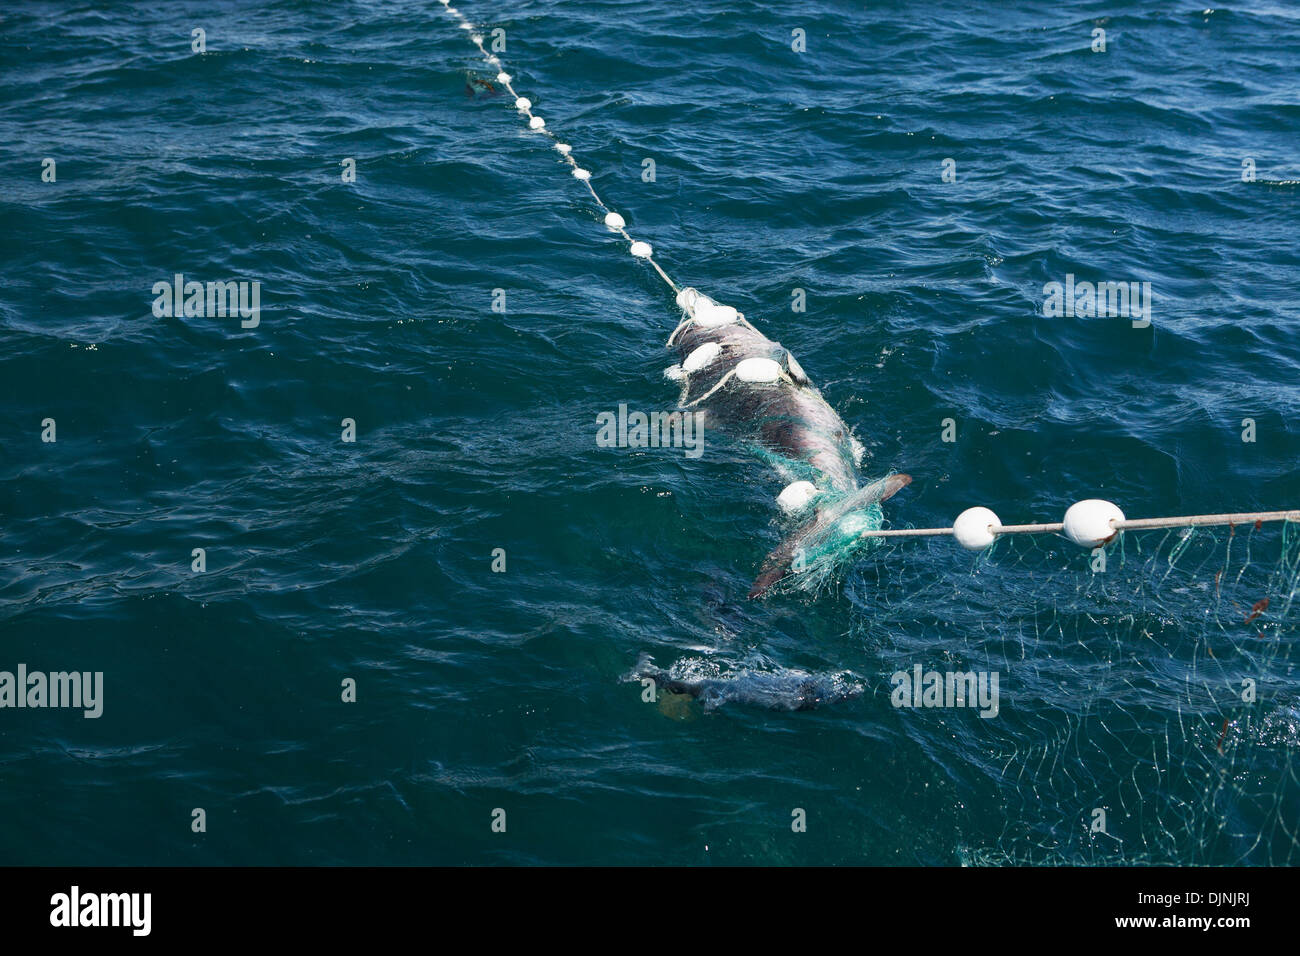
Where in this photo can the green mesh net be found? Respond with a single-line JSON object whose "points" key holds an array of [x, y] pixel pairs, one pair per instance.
{"points": [[1149, 709]]}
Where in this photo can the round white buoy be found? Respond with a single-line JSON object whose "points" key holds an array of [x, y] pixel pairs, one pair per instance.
{"points": [[1088, 523], [504, 77], [614, 220], [537, 122], [710, 315], [564, 148], [475, 38], [796, 495], [523, 103], [580, 173], [973, 528], [758, 371], [642, 250], [701, 356]]}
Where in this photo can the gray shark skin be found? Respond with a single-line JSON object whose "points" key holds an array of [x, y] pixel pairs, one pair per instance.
{"points": [[788, 420], [787, 689]]}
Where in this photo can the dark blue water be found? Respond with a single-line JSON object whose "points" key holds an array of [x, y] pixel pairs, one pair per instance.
{"points": [[776, 170]]}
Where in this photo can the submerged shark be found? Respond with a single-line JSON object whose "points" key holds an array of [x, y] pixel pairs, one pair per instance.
{"points": [[782, 689], [752, 388]]}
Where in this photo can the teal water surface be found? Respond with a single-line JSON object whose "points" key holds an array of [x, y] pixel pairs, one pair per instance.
{"points": [[775, 170]]}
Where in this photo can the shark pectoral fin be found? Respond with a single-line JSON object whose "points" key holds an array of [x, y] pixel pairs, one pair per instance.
{"points": [[890, 485], [778, 564], [877, 491], [768, 575], [880, 490]]}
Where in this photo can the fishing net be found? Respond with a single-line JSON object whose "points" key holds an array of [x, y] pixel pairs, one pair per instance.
{"points": [[1148, 709], [823, 538]]}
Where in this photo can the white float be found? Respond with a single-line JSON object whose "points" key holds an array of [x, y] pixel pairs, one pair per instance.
{"points": [[583, 174], [796, 495], [537, 122], [758, 371], [701, 357], [973, 528], [710, 315], [641, 250], [1088, 523], [523, 104], [614, 220], [504, 78]]}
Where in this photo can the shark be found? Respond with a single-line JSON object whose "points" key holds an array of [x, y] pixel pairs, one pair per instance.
{"points": [[752, 388]]}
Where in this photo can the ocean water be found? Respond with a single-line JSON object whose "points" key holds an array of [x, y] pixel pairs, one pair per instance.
{"points": [[480, 691]]}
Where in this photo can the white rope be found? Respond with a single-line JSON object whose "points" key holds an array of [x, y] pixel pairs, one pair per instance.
{"points": [[726, 378], [1133, 524], [1245, 517], [525, 106], [691, 320]]}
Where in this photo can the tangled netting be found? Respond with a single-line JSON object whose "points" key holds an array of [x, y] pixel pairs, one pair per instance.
{"points": [[825, 536], [1161, 689], [829, 541]]}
